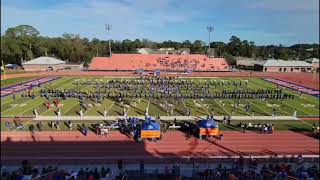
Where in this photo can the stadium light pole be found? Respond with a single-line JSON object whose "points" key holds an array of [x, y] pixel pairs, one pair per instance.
{"points": [[210, 29], [108, 28]]}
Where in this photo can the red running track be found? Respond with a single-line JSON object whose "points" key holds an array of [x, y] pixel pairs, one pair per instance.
{"points": [[73, 147]]}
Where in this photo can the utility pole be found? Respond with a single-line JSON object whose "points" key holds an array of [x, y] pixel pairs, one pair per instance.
{"points": [[210, 29], [299, 52], [108, 28]]}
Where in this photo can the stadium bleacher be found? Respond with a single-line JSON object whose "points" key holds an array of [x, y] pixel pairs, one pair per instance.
{"points": [[163, 62], [235, 170]]}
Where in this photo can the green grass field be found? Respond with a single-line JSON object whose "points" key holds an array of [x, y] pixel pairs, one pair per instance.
{"points": [[9, 82], [305, 105]]}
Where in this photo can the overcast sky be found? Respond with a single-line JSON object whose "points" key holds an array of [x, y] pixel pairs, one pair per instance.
{"points": [[262, 21]]}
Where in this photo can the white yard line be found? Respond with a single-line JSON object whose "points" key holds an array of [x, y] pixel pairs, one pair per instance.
{"points": [[306, 123], [110, 107], [296, 108], [88, 110], [204, 107], [65, 111], [257, 106], [184, 104], [238, 109], [29, 109], [222, 107], [148, 104], [129, 106], [14, 107]]}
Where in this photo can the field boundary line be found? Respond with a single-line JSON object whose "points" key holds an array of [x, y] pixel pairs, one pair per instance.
{"points": [[221, 107], [110, 107], [204, 107], [256, 106], [37, 104]]}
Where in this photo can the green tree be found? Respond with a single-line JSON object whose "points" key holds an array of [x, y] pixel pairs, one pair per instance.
{"points": [[220, 48], [186, 44], [230, 59], [281, 53], [26, 37], [197, 46], [234, 46]]}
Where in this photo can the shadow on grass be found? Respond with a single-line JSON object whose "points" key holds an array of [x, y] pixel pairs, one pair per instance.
{"points": [[303, 131], [80, 129], [99, 112]]}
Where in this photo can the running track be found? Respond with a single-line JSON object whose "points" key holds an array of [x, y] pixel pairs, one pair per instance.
{"points": [[73, 147]]}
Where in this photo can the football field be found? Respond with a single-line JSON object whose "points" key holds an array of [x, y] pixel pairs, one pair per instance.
{"points": [[304, 105]]}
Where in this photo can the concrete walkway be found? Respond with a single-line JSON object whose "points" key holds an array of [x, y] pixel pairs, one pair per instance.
{"points": [[168, 118]]}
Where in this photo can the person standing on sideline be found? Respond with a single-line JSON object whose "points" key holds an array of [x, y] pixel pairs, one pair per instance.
{"points": [[70, 125], [228, 120], [242, 126], [58, 126], [31, 128], [313, 127], [85, 129]]}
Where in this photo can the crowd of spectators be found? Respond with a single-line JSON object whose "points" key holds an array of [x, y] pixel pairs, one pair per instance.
{"points": [[267, 171], [241, 169], [56, 174], [261, 128], [178, 64]]}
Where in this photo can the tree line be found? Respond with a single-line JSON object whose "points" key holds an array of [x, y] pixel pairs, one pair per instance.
{"points": [[23, 43]]}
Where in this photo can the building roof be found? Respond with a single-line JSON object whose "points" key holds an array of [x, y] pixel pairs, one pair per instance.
{"points": [[159, 61], [312, 60], [44, 60], [283, 63], [145, 51], [166, 49], [245, 61]]}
